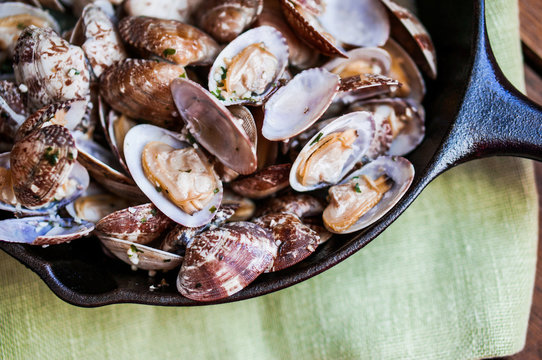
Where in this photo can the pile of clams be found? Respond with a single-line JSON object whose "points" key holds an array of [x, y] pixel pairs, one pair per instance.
{"points": [[218, 139]]}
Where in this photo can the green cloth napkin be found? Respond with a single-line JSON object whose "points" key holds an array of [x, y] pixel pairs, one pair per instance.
{"points": [[451, 279]]}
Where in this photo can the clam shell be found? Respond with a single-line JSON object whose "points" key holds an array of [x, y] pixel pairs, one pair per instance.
{"points": [[141, 256], [364, 124], [140, 224], [264, 182], [223, 261], [79, 174], [274, 42], [40, 163], [412, 35], [96, 34], [94, 207], [301, 205], [372, 56], [43, 230], [180, 10], [245, 207], [14, 17], [169, 39], [134, 142], [400, 170], [366, 86], [51, 68], [226, 19], [309, 29], [356, 22], [215, 127], [288, 114], [295, 240], [140, 89], [13, 110], [66, 113]]}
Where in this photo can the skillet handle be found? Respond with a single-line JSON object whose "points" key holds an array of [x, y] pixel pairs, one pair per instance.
{"points": [[495, 118]]}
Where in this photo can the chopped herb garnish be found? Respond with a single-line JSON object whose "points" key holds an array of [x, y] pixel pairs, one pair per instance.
{"points": [[355, 177], [212, 209], [144, 220], [169, 51], [75, 71], [218, 94], [215, 191], [70, 156], [158, 188], [134, 249], [198, 285], [220, 83], [153, 212], [183, 75], [317, 139], [190, 138], [224, 72], [356, 187], [51, 157], [21, 26]]}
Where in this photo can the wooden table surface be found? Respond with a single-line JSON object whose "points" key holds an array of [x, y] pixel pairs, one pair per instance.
{"points": [[531, 35]]}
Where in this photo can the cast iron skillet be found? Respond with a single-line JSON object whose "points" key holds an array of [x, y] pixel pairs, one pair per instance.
{"points": [[472, 112]]}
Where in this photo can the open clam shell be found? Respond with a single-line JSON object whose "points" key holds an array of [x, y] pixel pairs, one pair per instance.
{"points": [[13, 111], [231, 140], [78, 175], [298, 104], [364, 125], [93, 207], [96, 33], [223, 261], [274, 44], [134, 143], [399, 170], [412, 35], [169, 39], [141, 256], [361, 61], [43, 230]]}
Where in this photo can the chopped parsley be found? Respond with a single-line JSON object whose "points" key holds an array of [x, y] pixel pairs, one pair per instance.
{"points": [[169, 51], [218, 94], [70, 156], [317, 139], [190, 138], [135, 249], [51, 157], [153, 212], [356, 187], [158, 188], [21, 26], [224, 72], [215, 191], [212, 209], [183, 76], [198, 285], [76, 72], [144, 220]]}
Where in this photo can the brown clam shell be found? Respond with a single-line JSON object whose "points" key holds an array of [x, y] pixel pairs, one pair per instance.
{"points": [[66, 113], [226, 19], [295, 240], [140, 224], [366, 86], [169, 39], [301, 205], [223, 261], [51, 68], [12, 108], [308, 33], [40, 163], [264, 182], [412, 35], [140, 89]]}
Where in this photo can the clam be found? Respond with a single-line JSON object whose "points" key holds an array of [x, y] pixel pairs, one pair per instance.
{"points": [[180, 10], [295, 240], [333, 152], [97, 36], [175, 176], [14, 18], [288, 114], [301, 55], [226, 19], [94, 207], [228, 137], [245, 207], [247, 71], [140, 224], [169, 39], [301, 205], [51, 69], [360, 87], [264, 182], [65, 113], [223, 261], [367, 194], [400, 124], [41, 164], [43, 230], [77, 182], [140, 89], [13, 110], [369, 60], [412, 35]]}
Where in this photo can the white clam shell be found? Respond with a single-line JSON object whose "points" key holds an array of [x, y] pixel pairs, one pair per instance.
{"points": [[274, 42], [400, 170], [296, 106], [362, 121], [134, 143]]}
